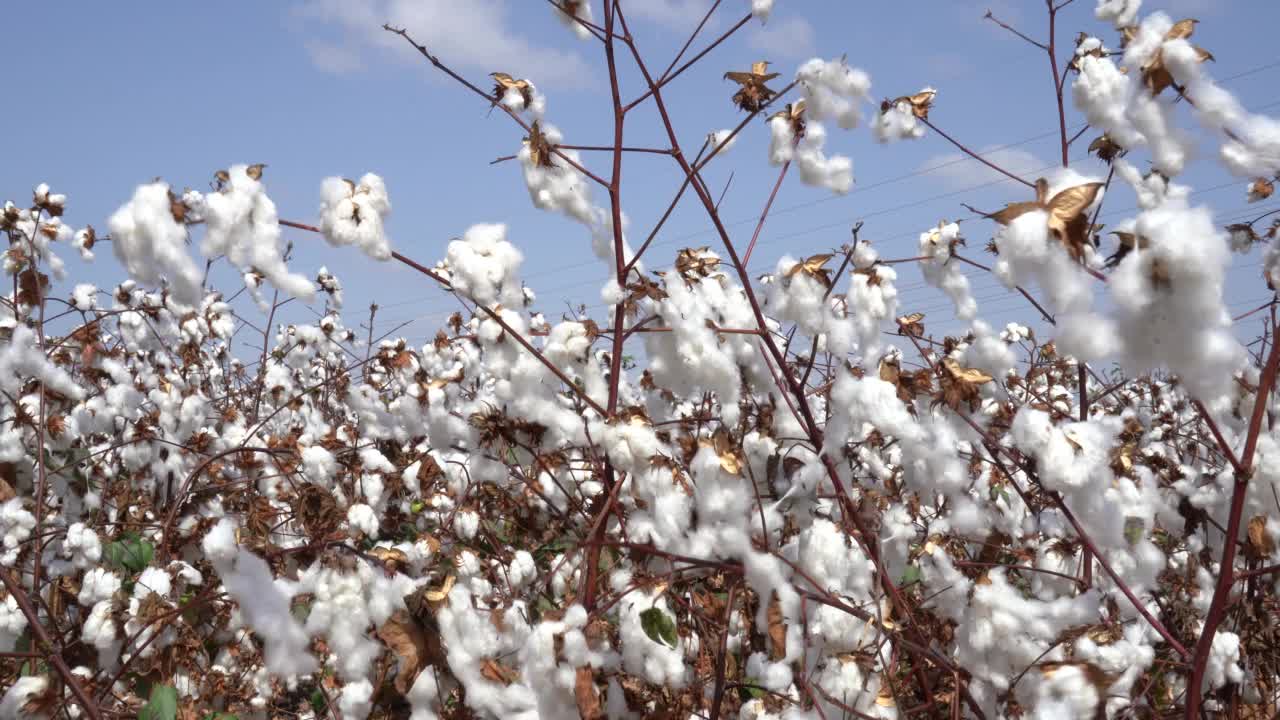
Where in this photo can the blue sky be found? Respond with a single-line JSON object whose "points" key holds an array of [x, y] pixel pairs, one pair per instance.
{"points": [[118, 94]]}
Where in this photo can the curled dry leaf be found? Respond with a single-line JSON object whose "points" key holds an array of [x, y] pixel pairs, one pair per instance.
{"points": [[1067, 221], [793, 113], [587, 696], [1260, 542], [912, 324], [777, 630], [722, 444], [1261, 189], [695, 263], [409, 643], [502, 83], [921, 103], [539, 146], [814, 267], [255, 170], [1106, 149], [752, 92], [442, 593], [497, 672]]}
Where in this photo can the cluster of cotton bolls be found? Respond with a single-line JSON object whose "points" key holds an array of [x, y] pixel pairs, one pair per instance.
{"points": [[781, 487]]}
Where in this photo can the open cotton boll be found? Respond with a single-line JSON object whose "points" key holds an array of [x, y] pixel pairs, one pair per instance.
{"points": [[84, 297], [1064, 691], [356, 700], [152, 245], [1102, 92], [13, 706], [241, 223], [721, 141], [263, 601], [1168, 297], [1252, 148], [760, 9], [355, 214], [570, 12], [832, 89], [23, 358], [897, 122], [834, 173], [937, 245], [1121, 13], [12, 623], [558, 187], [83, 241], [485, 266]]}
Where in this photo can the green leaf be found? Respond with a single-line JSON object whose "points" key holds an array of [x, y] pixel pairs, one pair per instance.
{"points": [[749, 689], [319, 702], [162, 706], [130, 552], [221, 716], [911, 575], [1134, 527], [658, 626]]}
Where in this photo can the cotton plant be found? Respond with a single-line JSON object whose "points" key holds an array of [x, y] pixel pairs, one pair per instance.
{"points": [[793, 482]]}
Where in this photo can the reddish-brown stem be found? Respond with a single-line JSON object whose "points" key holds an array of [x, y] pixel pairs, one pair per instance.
{"points": [[1220, 603], [19, 596], [773, 194]]}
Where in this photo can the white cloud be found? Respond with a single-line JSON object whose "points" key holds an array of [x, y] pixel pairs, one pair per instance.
{"points": [[959, 171], [792, 37], [333, 58], [471, 36], [675, 14]]}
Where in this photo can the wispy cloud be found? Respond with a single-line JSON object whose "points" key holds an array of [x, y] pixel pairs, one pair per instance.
{"points": [[675, 14], [476, 35], [958, 171], [332, 57], [791, 37]]}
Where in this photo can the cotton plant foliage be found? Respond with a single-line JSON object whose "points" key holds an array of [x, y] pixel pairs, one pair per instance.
{"points": [[781, 496]]}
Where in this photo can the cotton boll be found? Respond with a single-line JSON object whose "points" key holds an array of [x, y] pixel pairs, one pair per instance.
{"points": [[356, 700], [81, 546], [362, 518], [937, 245], [466, 524], [721, 141], [570, 12], [1224, 661], [834, 173], [264, 603], [241, 223], [1121, 13], [12, 623], [152, 246], [98, 584], [1063, 691], [355, 214], [872, 299], [1169, 298], [13, 706], [485, 266], [83, 241], [1103, 93], [897, 122], [84, 297], [760, 9], [559, 187], [832, 89]]}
